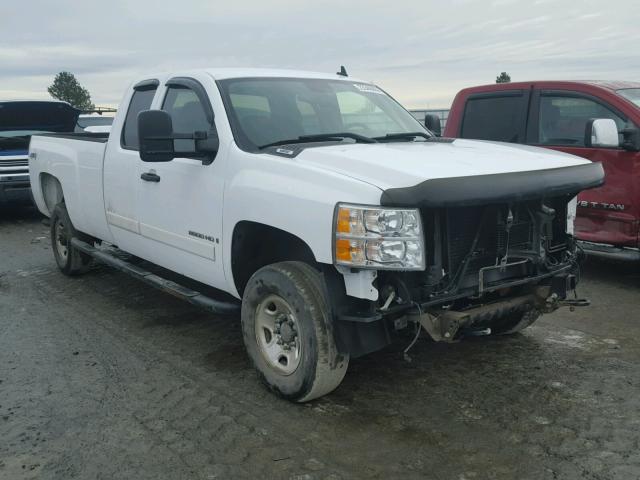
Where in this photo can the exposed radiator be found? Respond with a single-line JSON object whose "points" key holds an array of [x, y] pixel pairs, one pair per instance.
{"points": [[462, 226]]}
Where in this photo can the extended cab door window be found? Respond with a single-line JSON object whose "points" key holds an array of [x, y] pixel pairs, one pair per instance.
{"points": [[499, 116], [140, 101], [563, 118]]}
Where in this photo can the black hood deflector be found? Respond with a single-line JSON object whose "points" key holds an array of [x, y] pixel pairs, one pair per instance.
{"points": [[34, 115], [496, 188]]}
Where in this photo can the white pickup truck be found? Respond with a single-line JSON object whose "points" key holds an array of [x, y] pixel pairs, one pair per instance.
{"points": [[321, 208]]}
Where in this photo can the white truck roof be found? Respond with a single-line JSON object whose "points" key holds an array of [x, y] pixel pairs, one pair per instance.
{"points": [[222, 73]]}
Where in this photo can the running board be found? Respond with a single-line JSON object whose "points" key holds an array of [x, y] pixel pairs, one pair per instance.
{"points": [[177, 290]]}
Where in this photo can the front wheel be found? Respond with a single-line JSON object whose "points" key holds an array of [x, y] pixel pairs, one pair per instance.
{"points": [[288, 332], [70, 261]]}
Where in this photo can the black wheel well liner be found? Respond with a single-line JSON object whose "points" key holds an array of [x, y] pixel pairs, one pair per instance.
{"points": [[254, 245], [52, 192]]}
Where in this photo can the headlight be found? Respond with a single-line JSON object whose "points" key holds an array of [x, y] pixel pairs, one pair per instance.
{"points": [[381, 238]]}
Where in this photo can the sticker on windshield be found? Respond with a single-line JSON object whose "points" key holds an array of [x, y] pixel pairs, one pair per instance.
{"points": [[363, 87]]}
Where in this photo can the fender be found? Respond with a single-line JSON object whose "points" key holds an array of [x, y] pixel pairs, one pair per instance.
{"points": [[288, 195]]}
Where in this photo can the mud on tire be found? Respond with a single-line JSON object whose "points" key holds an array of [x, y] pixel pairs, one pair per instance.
{"points": [[288, 332], [70, 261]]}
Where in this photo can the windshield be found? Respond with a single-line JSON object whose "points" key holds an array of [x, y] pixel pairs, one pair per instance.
{"points": [[632, 94], [263, 111]]}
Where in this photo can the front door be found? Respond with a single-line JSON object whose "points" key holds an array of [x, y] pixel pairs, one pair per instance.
{"points": [[607, 214], [181, 201]]}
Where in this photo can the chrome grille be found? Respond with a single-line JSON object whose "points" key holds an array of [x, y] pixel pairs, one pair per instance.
{"points": [[14, 163]]}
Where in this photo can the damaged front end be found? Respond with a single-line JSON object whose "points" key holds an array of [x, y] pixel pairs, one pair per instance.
{"points": [[496, 258], [488, 266]]}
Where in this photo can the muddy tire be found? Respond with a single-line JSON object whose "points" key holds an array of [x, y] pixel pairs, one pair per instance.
{"points": [[288, 332], [70, 261]]}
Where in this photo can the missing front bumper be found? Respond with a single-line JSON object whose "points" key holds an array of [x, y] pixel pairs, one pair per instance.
{"points": [[445, 326]]}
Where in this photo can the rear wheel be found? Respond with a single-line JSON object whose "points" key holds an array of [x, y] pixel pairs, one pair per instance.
{"points": [[70, 261], [288, 332]]}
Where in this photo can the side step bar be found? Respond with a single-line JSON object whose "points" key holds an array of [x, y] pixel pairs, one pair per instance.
{"points": [[179, 291]]}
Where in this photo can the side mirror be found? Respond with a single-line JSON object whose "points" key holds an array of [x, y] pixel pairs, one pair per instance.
{"points": [[207, 146], [155, 132], [432, 122], [601, 132], [159, 143]]}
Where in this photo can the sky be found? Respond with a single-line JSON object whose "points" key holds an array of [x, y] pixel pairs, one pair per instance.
{"points": [[421, 52]]}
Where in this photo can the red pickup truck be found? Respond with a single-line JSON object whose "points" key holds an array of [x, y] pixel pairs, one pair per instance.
{"points": [[560, 115]]}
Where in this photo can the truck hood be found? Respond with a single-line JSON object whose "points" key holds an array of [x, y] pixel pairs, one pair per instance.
{"points": [[459, 172], [47, 116], [402, 164]]}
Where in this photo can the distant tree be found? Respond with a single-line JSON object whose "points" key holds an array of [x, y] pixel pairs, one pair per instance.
{"points": [[503, 78], [65, 87]]}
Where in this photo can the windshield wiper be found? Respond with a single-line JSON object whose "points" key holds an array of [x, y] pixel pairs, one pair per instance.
{"points": [[321, 137], [403, 136]]}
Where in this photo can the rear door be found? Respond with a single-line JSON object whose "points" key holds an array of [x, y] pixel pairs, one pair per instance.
{"points": [[558, 121], [121, 166], [497, 115]]}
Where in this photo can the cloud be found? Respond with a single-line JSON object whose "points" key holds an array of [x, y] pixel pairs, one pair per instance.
{"points": [[422, 52]]}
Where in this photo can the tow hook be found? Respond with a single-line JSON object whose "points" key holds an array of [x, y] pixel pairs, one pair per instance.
{"points": [[553, 302]]}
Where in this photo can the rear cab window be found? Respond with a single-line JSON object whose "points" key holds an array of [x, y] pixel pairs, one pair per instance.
{"points": [[497, 116]]}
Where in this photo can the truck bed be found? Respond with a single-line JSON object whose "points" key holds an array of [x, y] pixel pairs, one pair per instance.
{"points": [[75, 160]]}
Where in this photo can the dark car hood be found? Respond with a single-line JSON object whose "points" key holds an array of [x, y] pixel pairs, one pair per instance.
{"points": [[38, 115]]}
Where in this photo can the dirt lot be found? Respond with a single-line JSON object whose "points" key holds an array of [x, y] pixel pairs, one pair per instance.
{"points": [[103, 377]]}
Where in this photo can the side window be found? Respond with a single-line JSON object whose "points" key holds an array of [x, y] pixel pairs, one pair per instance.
{"points": [[563, 119], [141, 100], [186, 110], [497, 117], [187, 114]]}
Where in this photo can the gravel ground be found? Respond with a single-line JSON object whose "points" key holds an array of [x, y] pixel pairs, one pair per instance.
{"points": [[104, 377]]}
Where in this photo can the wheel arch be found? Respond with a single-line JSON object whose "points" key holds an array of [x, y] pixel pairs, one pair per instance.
{"points": [[52, 192], [255, 244]]}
